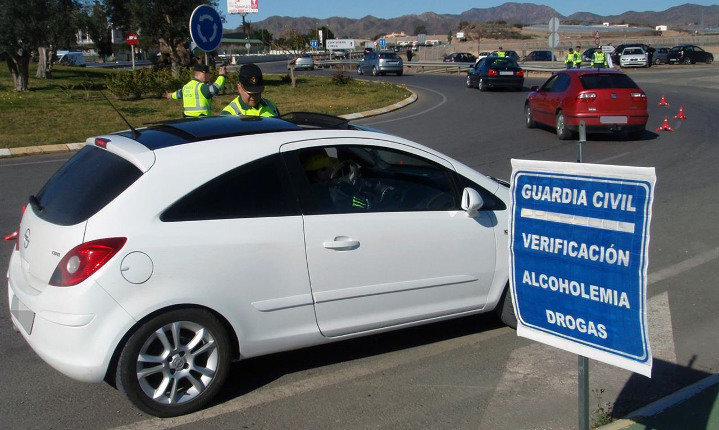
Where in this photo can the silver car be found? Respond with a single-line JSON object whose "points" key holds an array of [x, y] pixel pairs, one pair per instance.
{"points": [[380, 63], [633, 57], [304, 61]]}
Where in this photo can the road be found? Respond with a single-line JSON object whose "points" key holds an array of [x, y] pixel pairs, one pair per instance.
{"points": [[466, 373]]}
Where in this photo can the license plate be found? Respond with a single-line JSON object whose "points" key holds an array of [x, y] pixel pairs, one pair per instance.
{"points": [[506, 73], [613, 119], [23, 314]]}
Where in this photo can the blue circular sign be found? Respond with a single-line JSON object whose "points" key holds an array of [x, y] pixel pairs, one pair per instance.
{"points": [[206, 28]]}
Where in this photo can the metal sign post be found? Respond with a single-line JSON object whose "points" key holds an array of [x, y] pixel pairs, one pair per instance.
{"points": [[583, 362]]}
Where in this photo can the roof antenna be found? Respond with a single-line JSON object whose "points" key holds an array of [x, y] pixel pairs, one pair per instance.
{"points": [[135, 133]]}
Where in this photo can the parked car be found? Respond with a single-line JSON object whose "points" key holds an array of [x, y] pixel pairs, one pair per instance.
{"points": [[689, 54], [483, 54], [540, 56], [158, 256], [381, 63], [617, 53], [304, 61], [634, 57], [460, 57], [660, 55], [509, 54], [340, 54], [608, 101], [71, 58], [495, 72]]}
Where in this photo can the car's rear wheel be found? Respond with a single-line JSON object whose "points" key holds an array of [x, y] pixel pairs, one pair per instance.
{"points": [[482, 85], [529, 120], [375, 72], [175, 363], [359, 70], [561, 126], [505, 309], [687, 60]]}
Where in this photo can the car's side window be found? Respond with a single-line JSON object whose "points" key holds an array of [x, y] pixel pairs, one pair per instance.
{"points": [[547, 87], [348, 179], [259, 188], [562, 83]]}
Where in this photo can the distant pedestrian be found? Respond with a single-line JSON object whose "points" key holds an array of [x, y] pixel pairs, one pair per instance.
{"points": [[409, 54], [569, 60], [250, 101], [197, 95], [650, 55], [578, 57]]}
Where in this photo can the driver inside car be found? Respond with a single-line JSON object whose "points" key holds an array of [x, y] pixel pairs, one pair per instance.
{"points": [[340, 177]]}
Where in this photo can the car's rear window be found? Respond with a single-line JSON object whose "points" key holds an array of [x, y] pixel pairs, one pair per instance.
{"points": [[390, 56], [503, 62], [606, 80], [91, 179]]}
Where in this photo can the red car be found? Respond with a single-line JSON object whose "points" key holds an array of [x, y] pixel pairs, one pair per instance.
{"points": [[608, 101]]}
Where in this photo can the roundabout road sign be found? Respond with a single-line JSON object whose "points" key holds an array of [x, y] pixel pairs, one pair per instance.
{"points": [[206, 28]]}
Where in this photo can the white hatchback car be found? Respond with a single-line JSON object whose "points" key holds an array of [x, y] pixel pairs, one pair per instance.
{"points": [[154, 257]]}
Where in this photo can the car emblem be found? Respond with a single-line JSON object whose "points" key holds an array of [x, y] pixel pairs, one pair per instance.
{"points": [[26, 238], [614, 96]]}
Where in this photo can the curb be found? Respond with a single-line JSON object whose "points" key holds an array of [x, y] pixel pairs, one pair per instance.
{"points": [[662, 404], [67, 147]]}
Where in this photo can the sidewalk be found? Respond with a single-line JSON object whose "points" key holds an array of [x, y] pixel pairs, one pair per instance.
{"points": [[693, 407]]}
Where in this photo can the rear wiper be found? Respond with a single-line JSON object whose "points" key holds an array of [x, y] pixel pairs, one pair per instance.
{"points": [[35, 203]]}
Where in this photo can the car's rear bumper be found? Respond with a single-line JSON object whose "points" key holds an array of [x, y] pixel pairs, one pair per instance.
{"points": [[390, 68], [74, 329], [606, 124], [504, 81]]}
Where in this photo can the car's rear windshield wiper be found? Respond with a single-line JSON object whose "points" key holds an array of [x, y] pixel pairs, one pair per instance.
{"points": [[35, 203]]}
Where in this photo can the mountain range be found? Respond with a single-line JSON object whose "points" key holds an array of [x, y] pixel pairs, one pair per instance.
{"points": [[513, 13]]}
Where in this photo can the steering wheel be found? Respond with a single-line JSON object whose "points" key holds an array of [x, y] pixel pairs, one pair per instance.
{"points": [[347, 170], [440, 201]]}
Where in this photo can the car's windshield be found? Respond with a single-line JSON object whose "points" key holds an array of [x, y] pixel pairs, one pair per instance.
{"points": [[633, 51], [606, 80]]}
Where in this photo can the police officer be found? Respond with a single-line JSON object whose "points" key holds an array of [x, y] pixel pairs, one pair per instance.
{"points": [[250, 101], [197, 95], [501, 53], [569, 61], [600, 59], [578, 57]]}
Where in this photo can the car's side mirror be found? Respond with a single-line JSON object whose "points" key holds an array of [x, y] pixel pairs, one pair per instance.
{"points": [[534, 88], [472, 202]]}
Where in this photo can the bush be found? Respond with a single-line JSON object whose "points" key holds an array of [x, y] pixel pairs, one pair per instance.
{"points": [[155, 82], [341, 78]]}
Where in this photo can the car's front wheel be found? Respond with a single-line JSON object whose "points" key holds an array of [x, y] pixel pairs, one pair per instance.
{"points": [[174, 363], [561, 125], [482, 86], [529, 120]]}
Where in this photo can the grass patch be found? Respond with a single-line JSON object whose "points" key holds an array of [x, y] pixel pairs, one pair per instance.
{"points": [[69, 107]]}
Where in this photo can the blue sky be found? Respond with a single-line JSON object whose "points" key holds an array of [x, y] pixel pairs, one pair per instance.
{"points": [[395, 8]]}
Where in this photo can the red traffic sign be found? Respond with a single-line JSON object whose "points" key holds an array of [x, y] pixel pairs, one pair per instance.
{"points": [[596, 39], [132, 38]]}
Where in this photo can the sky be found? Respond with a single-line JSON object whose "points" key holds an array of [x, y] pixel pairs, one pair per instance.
{"points": [[396, 8]]}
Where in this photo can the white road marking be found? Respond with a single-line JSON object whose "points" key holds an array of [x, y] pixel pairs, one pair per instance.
{"points": [[683, 266], [613, 157], [444, 100]]}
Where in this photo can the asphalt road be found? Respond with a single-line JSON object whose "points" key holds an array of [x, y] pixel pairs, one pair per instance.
{"points": [[466, 373]]}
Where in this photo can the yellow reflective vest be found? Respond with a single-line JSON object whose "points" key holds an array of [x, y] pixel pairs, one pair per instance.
{"points": [[197, 96], [570, 58], [238, 107], [501, 54], [600, 59]]}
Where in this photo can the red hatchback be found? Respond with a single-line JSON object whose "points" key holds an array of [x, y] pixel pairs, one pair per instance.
{"points": [[608, 101]]}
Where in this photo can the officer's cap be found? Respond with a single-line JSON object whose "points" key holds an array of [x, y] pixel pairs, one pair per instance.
{"points": [[250, 76], [202, 68]]}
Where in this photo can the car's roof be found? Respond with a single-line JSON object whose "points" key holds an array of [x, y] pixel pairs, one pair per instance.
{"points": [[187, 130], [590, 71]]}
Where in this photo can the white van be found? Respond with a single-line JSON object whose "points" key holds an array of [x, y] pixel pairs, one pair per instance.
{"points": [[70, 58]]}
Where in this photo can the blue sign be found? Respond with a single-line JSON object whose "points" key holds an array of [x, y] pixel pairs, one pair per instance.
{"points": [[383, 42], [313, 43], [579, 236], [206, 28]]}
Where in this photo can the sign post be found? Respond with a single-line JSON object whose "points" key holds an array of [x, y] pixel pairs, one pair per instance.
{"points": [[579, 241], [131, 39]]}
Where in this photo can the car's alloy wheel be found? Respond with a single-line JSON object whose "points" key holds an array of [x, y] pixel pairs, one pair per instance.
{"points": [[359, 70], [562, 131], [687, 60], [374, 71], [174, 363], [469, 82], [481, 85], [528, 116]]}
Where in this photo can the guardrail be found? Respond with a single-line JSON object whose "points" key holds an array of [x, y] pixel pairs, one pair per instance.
{"points": [[551, 66]]}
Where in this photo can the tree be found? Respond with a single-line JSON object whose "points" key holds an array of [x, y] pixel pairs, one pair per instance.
{"points": [[62, 22], [22, 28], [165, 22], [290, 41], [420, 29], [264, 35], [98, 27], [326, 34]]}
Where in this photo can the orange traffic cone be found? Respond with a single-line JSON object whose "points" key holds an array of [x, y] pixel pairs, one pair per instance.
{"points": [[663, 101], [665, 125], [681, 115]]}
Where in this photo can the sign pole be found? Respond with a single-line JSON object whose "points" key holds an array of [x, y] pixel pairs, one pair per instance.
{"points": [[133, 57], [583, 405]]}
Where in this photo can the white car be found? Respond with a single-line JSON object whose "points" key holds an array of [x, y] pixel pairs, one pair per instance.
{"points": [[304, 61], [155, 257], [634, 57]]}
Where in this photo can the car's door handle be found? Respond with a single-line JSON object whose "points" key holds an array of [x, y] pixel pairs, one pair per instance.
{"points": [[342, 243]]}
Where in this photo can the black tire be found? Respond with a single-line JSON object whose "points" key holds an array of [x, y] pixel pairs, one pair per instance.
{"points": [[184, 368], [529, 120], [505, 309], [709, 60], [687, 60], [359, 70], [400, 73], [481, 85], [375, 72], [563, 132]]}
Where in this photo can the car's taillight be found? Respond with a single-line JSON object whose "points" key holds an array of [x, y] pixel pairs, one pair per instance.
{"points": [[84, 260], [492, 72], [519, 73], [15, 235], [586, 97], [638, 96], [102, 143]]}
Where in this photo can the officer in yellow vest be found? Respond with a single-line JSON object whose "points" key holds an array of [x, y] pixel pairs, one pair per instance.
{"points": [[600, 59], [569, 61], [250, 101], [501, 53], [197, 95], [578, 57]]}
